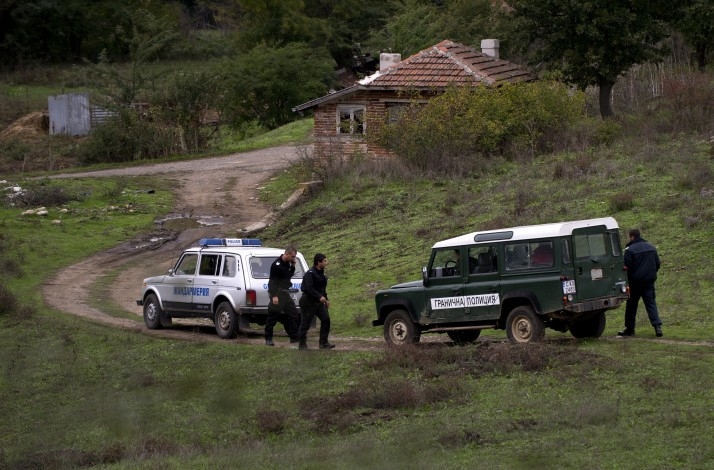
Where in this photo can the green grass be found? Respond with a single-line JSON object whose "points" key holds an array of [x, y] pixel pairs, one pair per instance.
{"points": [[76, 394], [297, 132]]}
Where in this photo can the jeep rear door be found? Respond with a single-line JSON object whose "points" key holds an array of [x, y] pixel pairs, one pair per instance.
{"points": [[593, 262]]}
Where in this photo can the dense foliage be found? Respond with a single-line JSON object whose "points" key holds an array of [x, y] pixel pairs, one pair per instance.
{"points": [[465, 124]]}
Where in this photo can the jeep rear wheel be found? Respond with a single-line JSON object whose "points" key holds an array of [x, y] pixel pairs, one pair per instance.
{"points": [[153, 314], [524, 326], [399, 329], [464, 336], [591, 327], [226, 321]]}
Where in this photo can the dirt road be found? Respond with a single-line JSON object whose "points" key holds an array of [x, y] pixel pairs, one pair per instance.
{"points": [[219, 189]]}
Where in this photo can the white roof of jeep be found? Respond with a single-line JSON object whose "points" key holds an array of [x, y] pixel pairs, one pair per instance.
{"points": [[526, 232]]}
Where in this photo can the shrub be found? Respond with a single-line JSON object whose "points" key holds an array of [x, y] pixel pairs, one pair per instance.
{"points": [[621, 202], [127, 137], [43, 194], [8, 301], [463, 125]]}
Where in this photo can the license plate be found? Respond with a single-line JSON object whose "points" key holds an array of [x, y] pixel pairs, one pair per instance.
{"points": [[569, 287], [596, 273]]}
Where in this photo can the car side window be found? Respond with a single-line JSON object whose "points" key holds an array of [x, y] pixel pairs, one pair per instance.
{"points": [[590, 246], [542, 254], [187, 264], [209, 265], [229, 266], [444, 263], [516, 256], [482, 259]]}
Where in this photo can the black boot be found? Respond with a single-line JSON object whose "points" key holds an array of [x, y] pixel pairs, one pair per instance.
{"points": [[658, 330], [626, 332], [326, 346]]}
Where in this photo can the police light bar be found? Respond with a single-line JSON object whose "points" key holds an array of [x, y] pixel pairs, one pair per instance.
{"points": [[229, 242]]}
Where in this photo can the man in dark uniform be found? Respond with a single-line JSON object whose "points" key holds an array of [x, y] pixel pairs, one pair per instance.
{"points": [[281, 306], [314, 302], [642, 264]]}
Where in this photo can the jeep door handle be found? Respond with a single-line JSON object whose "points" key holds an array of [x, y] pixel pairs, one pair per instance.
{"points": [[214, 282]]}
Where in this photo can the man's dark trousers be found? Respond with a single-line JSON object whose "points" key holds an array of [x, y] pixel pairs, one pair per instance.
{"points": [[285, 312], [308, 310], [646, 292]]}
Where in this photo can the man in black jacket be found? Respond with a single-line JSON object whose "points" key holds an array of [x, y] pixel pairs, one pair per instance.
{"points": [[281, 306], [314, 302], [642, 264]]}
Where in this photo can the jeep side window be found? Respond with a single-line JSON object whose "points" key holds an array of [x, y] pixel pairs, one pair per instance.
{"points": [[187, 264], [516, 256], [590, 246], [615, 241], [444, 263], [566, 251], [542, 254], [483, 259]]}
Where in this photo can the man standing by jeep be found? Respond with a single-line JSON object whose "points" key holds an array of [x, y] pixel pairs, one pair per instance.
{"points": [[641, 264], [281, 306]]}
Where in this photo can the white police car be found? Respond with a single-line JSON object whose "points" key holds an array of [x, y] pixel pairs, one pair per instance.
{"points": [[222, 279]]}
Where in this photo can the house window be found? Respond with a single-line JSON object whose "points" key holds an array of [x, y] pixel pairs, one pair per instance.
{"points": [[350, 119]]}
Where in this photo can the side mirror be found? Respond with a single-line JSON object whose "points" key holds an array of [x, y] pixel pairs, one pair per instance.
{"points": [[170, 271], [425, 276]]}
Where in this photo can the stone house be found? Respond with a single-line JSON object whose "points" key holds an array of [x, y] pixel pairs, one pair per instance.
{"points": [[342, 118]]}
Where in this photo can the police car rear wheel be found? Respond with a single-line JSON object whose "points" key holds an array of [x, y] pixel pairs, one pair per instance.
{"points": [[152, 312], [226, 321], [524, 326], [400, 330]]}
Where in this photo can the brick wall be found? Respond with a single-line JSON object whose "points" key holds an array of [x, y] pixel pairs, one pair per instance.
{"points": [[328, 141]]}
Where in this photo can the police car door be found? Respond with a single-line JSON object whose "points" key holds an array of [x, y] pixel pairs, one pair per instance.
{"points": [[444, 293], [206, 282], [177, 289]]}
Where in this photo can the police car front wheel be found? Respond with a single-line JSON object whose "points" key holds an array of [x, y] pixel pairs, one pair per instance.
{"points": [[152, 312]]}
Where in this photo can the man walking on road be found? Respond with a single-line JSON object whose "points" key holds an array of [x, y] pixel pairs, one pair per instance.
{"points": [[281, 306], [314, 302], [641, 263]]}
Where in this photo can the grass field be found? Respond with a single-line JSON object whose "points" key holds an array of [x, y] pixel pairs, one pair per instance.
{"points": [[75, 394]]}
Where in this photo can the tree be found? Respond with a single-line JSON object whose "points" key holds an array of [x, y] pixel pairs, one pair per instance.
{"points": [[590, 42], [696, 23], [267, 82], [145, 37]]}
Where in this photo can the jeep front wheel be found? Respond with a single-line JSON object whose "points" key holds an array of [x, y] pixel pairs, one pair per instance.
{"points": [[524, 326], [591, 327], [399, 329], [226, 321], [153, 313]]}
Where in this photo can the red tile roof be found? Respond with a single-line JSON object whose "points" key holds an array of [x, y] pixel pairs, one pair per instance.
{"points": [[437, 67], [448, 63]]}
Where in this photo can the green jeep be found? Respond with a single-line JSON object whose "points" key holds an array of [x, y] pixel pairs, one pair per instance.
{"points": [[522, 279]]}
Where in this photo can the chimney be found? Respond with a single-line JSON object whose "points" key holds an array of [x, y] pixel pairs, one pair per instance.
{"points": [[387, 59], [490, 47]]}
